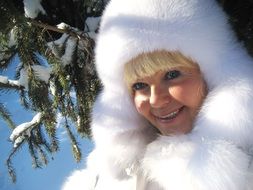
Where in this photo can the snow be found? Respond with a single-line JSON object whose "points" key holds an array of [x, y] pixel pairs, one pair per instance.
{"points": [[78, 122], [12, 40], [23, 79], [59, 42], [63, 26], [18, 140], [14, 83], [92, 35], [33, 8], [42, 72], [70, 48], [91, 25], [3, 79], [52, 88], [17, 135]]}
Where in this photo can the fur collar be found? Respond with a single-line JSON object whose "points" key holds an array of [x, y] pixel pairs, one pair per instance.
{"points": [[184, 163]]}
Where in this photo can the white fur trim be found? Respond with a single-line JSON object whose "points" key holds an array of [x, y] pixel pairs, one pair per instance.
{"points": [[182, 164], [80, 180], [227, 113], [119, 154], [197, 28]]}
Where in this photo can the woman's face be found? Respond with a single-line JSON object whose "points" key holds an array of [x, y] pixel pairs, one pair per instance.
{"points": [[170, 100]]}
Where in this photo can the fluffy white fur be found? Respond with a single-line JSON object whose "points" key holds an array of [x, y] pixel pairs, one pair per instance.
{"points": [[215, 154], [182, 163], [80, 179]]}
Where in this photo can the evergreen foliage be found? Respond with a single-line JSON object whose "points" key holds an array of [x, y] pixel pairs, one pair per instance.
{"points": [[241, 17], [56, 73]]}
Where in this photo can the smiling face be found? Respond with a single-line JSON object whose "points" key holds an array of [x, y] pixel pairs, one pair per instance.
{"points": [[170, 98]]}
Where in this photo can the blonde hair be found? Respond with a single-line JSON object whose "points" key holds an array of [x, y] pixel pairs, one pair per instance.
{"points": [[147, 64]]}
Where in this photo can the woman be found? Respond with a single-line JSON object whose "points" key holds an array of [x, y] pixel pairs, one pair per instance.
{"points": [[167, 89], [176, 108]]}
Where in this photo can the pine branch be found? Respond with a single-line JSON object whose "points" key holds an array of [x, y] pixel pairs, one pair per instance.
{"points": [[11, 169], [75, 148], [6, 116], [42, 157], [40, 139], [76, 34], [35, 161], [10, 84], [23, 99], [6, 56]]}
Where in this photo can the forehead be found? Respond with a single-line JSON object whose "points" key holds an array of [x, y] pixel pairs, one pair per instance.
{"points": [[149, 63]]}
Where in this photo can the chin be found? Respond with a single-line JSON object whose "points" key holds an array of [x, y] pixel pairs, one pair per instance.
{"points": [[172, 130]]}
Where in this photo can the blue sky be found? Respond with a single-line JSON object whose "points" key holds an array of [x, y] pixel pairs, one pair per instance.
{"points": [[50, 177]]}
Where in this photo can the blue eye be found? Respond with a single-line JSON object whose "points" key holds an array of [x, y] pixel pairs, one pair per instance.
{"points": [[139, 86], [172, 74]]}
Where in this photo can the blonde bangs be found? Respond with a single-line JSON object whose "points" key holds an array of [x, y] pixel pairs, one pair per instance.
{"points": [[145, 65]]}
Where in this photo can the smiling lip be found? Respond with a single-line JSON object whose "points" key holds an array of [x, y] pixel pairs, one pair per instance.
{"points": [[169, 117]]}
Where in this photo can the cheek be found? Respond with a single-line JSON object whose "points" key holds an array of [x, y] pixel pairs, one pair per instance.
{"points": [[181, 94], [141, 104], [190, 94], [198, 93]]}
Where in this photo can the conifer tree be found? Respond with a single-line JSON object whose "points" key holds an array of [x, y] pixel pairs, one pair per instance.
{"points": [[53, 41], [241, 17]]}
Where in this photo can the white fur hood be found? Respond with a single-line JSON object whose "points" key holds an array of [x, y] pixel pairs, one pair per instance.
{"points": [[197, 28], [216, 154]]}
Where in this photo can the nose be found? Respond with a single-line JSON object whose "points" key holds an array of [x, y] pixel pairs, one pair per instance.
{"points": [[159, 96]]}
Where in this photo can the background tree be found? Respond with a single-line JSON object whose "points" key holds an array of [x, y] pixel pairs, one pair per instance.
{"points": [[52, 44], [241, 17]]}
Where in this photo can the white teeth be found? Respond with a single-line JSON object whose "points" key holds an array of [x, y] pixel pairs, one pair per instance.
{"points": [[170, 115]]}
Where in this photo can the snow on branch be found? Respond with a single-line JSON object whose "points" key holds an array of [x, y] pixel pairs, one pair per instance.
{"points": [[18, 134], [12, 40], [33, 8], [70, 46], [71, 31], [63, 26], [91, 26], [10, 83], [43, 73], [57, 43], [69, 50]]}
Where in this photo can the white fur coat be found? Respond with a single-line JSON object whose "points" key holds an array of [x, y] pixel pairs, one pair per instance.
{"points": [[128, 154]]}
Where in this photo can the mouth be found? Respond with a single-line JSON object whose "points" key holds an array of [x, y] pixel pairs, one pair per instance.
{"points": [[170, 116]]}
